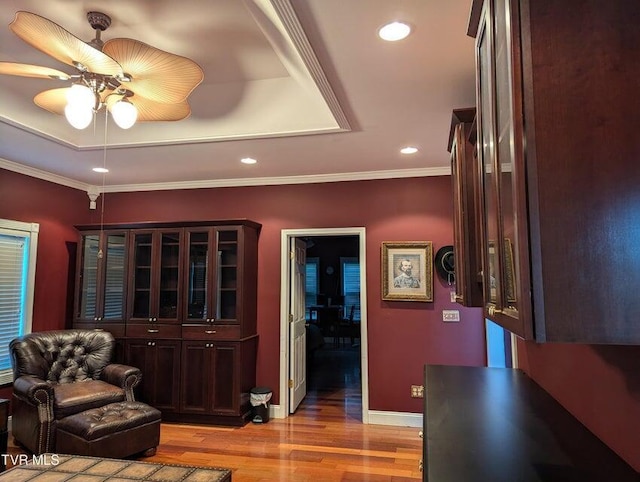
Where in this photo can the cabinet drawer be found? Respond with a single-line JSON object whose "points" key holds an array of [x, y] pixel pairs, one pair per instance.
{"points": [[155, 330], [210, 332]]}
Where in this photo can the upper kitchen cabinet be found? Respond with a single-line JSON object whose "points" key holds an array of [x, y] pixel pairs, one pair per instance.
{"points": [[101, 281], [558, 157], [464, 176]]}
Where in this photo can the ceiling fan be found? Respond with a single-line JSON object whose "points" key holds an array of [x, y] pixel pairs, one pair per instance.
{"points": [[132, 80]]}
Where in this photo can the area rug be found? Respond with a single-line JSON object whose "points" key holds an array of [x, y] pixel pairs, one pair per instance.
{"points": [[74, 468]]}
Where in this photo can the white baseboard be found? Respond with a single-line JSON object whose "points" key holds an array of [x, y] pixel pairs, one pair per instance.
{"points": [[396, 419], [376, 417]]}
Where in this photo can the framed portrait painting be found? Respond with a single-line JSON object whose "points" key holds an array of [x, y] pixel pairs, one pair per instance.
{"points": [[407, 271]]}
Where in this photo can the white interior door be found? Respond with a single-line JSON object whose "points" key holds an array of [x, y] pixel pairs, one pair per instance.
{"points": [[298, 330]]}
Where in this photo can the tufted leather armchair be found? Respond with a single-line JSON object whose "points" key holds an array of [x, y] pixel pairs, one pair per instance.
{"points": [[61, 373]]}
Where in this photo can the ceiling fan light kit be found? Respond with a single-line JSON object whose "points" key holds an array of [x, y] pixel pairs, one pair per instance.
{"points": [[132, 80]]}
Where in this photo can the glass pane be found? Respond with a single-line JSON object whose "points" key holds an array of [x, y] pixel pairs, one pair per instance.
{"points": [[226, 274], [197, 282], [142, 276], [505, 123], [169, 271], [114, 278], [89, 276], [487, 155]]}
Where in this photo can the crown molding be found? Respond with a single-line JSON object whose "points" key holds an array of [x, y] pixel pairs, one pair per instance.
{"points": [[283, 180], [44, 175], [215, 183]]}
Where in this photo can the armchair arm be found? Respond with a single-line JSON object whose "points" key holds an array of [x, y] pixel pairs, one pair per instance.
{"points": [[33, 390], [122, 376], [33, 421]]}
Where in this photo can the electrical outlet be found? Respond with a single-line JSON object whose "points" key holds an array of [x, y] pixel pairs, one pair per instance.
{"points": [[417, 391], [450, 315]]}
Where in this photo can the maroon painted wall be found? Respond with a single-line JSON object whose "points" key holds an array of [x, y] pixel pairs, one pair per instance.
{"points": [[402, 336], [598, 384], [56, 208]]}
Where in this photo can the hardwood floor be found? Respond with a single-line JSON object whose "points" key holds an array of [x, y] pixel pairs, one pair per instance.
{"points": [[324, 440]]}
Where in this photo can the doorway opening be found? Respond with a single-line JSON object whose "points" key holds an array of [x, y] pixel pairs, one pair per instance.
{"points": [[333, 312]]}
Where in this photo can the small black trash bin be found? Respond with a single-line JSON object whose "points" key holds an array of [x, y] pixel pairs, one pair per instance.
{"points": [[260, 397]]}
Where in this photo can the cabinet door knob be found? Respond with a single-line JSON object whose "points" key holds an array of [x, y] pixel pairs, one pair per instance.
{"points": [[420, 434]]}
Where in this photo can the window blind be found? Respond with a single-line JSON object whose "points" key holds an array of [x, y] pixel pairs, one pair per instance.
{"points": [[351, 285], [311, 281], [17, 271]]}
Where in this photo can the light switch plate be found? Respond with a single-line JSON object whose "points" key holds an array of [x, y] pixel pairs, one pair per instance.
{"points": [[450, 316]]}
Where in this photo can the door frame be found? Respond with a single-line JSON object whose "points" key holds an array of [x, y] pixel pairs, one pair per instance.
{"points": [[282, 410]]}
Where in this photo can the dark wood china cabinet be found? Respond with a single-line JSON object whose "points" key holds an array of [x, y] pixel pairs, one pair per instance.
{"points": [[186, 295], [558, 157]]}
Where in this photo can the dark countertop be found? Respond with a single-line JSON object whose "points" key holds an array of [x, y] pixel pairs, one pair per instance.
{"points": [[498, 425]]}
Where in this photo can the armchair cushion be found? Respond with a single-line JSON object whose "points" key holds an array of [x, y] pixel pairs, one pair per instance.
{"points": [[62, 356], [72, 398]]}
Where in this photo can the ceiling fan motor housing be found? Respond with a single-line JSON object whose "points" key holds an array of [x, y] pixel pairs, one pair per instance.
{"points": [[98, 20]]}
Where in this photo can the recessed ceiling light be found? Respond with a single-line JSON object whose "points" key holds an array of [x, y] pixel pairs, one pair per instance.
{"points": [[394, 31], [100, 169], [409, 150], [248, 160]]}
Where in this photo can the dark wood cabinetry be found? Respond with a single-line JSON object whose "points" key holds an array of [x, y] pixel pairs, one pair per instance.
{"points": [[187, 298], [557, 162], [465, 187], [159, 360], [226, 364]]}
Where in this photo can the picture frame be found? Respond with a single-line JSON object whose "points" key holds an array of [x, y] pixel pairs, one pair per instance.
{"points": [[407, 271]]}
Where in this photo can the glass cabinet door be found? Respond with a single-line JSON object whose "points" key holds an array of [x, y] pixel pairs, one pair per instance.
{"points": [[500, 126], [88, 278], [142, 276], [226, 287], [156, 276], [102, 279], [486, 153], [114, 259], [197, 298], [505, 156], [169, 276]]}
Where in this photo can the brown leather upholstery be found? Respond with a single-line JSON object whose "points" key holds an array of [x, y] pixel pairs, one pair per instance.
{"points": [[61, 373], [116, 430]]}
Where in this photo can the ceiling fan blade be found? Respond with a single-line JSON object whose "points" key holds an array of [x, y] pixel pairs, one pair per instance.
{"points": [[156, 75], [26, 70], [53, 40], [53, 100], [149, 110]]}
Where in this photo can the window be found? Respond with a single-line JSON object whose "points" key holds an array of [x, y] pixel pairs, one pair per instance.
{"points": [[351, 285], [18, 244], [312, 282]]}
